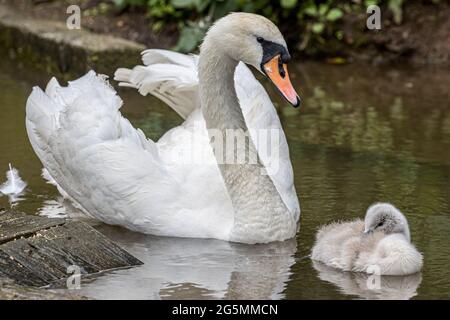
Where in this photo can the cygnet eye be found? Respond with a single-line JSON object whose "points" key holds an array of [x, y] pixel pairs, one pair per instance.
{"points": [[260, 39]]}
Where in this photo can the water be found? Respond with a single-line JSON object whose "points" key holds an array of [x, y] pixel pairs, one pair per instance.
{"points": [[362, 135]]}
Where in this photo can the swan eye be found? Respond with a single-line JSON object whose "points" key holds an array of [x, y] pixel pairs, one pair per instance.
{"points": [[260, 39], [380, 224]]}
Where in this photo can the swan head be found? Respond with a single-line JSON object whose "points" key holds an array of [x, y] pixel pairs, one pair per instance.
{"points": [[386, 218], [256, 41]]}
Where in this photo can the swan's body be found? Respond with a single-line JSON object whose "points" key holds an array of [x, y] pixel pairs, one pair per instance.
{"points": [[380, 244], [118, 176]]}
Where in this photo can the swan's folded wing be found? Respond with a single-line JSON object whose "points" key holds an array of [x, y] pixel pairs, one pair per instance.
{"points": [[265, 128], [394, 255]]}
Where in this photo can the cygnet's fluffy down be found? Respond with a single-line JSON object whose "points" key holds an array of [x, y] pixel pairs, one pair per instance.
{"points": [[380, 244]]}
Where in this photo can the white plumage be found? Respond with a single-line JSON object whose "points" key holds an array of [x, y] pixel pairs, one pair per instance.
{"points": [[173, 78], [169, 76], [113, 172], [14, 185], [380, 244]]}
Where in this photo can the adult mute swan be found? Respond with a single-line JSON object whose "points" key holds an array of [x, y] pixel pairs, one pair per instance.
{"points": [[117, 175], [380, 244]]}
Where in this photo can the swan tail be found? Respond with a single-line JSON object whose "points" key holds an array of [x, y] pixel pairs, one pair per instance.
{"points": [[169, 76], [49, 179]]}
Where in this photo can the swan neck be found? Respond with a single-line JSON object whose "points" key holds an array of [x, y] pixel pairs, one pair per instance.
{"points": [[260, 214], [220, 105]]}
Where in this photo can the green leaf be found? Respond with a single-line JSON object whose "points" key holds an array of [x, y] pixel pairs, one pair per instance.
{"points": [[334, 14], [201, 5], [183, 3], [288, 4], [339, 34], [189, 39], [224, 7], [396, 8], [310, 10], [120, 3], [248, 6], [323, 8], [318, 27], [370, 3], [157, 25]]}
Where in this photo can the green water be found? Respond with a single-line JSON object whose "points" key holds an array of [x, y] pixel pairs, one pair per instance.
{"points": [[362, 135]]}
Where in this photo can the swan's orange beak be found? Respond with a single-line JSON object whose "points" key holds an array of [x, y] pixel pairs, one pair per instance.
{"points": [[276, 70]]}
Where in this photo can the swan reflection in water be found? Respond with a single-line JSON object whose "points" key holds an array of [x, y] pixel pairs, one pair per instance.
{"points": [[359, 284], [185, 268], [178, 268]]}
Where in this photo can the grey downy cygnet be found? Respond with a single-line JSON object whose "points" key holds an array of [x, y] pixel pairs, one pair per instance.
{"points": [[380, 244]]}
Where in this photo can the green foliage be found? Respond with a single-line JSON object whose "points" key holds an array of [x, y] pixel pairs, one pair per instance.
{"points": [[190, 36], [320, 14], [309, 22], [396, 8], [288, 4]]}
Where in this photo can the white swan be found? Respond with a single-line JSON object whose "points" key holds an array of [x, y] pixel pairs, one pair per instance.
{"points": [[118, 176], [380, 244]]}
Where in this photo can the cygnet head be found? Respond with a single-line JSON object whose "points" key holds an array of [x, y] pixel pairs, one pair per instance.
{"points": [[256, 41], [387, 218]]}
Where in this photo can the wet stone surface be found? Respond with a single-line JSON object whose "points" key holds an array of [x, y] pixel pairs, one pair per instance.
{"points": [[51, 47]]}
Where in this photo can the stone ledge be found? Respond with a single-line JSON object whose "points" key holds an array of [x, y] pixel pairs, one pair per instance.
{"points": [[51, 47]]}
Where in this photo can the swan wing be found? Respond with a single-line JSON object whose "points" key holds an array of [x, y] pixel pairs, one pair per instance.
{"points": [[267, 134], [169, 76], [395, 255], [113, 171]]}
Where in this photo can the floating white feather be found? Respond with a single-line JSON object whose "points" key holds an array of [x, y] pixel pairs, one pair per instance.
{"points": [[14, 185]]}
